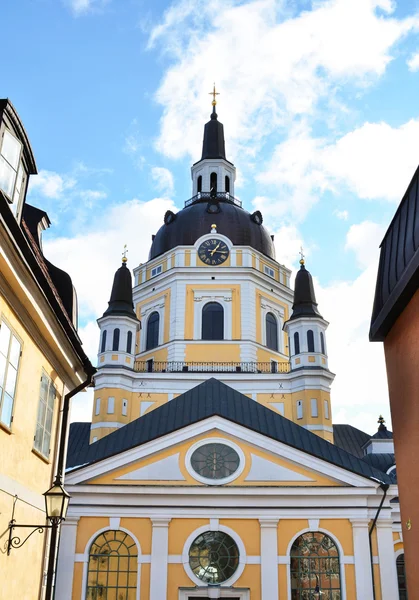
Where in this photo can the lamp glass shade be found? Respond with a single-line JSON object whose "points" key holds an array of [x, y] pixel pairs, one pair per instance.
{"points": [[56, 502]]}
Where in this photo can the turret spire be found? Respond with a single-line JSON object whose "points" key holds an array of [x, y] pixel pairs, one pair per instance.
{"points": [[305, 304], [121, 302], [213, 145]]}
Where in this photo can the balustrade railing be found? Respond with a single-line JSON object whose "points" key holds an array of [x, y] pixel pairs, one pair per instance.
{"points": [[226, 196], [157, 366]]}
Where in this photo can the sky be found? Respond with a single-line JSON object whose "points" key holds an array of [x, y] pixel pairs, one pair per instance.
{"points": [[320, 112]]}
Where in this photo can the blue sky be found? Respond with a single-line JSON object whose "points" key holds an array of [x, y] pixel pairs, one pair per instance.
{"points": [[319, 105]]}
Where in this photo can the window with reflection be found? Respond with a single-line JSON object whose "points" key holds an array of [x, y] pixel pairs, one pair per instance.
{"points": [[322, 343], [12, 173], [213, 183], [10, 351], [315, 568], [214, 557], [103, 344], [153, 323], [271, 332], [212, 321], [401, 577], [112, 569]]}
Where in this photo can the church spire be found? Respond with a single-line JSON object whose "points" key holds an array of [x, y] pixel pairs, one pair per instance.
{"points": [[213, 145], [120, 303], [305, 304]]}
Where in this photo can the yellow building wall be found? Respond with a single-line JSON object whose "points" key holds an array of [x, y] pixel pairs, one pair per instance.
{"points": [[163, 294], [275, 300], [211, 352], [235, 308], [22, 465]]}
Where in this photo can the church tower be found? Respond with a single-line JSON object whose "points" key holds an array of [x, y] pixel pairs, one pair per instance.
{"points": [[213, 302]]}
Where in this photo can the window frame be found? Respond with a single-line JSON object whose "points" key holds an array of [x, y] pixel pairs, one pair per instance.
{"points": [[269, 271], [3, 383], [116, 338], [151, 346], [14, 204], [42, 426], [156, 270], [274, 324], [296, 337], [206, 311], [310, 341]]}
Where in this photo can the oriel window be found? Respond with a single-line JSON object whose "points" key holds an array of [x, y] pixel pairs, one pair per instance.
{"points": [[212, 321], [10, 351], [11, 169]]}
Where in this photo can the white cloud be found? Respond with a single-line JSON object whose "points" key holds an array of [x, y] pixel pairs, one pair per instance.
{"points": [[364, 239], [92, 195], [82, 7], [343, 215], [95, 255], [413, 62], [163, 180], [51, 184], [375, 161], [269, 64]]}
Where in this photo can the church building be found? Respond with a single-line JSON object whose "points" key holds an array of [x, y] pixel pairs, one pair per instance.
{"points": [[212, 467]]}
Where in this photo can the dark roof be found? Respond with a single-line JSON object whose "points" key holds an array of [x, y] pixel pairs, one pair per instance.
{"points": [[213, 398], [121, 303], [305, 304], [32, 217], [195, 221], [213, 145], [383, 434], [380, 461], [350, 438], [78, 438], [398, 270]]}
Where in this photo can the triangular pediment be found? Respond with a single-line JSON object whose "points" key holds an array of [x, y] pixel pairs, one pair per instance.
{"points": [[262, 462]]}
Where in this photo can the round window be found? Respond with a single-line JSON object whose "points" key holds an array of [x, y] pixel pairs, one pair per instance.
{"points": [[213, 557], [215, 461]]}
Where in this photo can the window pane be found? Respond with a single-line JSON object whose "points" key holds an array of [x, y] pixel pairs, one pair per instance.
{"points": [[19, 179], [6, 410], [14, 352], [2, 369], [44, 388], [41, 413], [48, 420], [38, 438], [51, 396], [4, 339], [7, 177], [11, 380], [45, 445], [11, 149]]}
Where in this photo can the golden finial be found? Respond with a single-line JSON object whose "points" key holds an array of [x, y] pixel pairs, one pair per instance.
{"points": [[301, 253], [381, 420], [213, 94], [124, 254], [213, 228]]}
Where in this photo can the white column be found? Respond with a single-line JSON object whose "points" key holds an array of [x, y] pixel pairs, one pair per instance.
{"points": [[66, 556], [363, 576], [269, 558], [159, 556], [388, 572]]}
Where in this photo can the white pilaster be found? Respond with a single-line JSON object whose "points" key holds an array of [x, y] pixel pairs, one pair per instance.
{"points": [[269, 558], [388, 572], [363, 577], [159, 557], [66, 556]]}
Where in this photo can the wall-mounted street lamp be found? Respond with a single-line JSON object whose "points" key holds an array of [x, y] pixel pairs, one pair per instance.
{"points": [[56, 505]]}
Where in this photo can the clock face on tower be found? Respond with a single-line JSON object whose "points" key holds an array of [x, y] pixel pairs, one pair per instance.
{"points": [[213, 251]]}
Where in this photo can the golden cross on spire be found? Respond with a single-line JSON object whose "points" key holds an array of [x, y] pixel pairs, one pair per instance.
{"points": [[213, 94], [124, 254], [381, 420], [301, 253]]}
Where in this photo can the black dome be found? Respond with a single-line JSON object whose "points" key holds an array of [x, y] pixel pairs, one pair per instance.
{"points": [[194, 221]]}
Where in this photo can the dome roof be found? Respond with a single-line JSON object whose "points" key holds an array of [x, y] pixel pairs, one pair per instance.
{"points": [[194, 221]]}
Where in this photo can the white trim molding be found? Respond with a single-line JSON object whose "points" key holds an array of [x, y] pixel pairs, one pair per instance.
{"points": [[269, 558], [363, 578], [159, 558]]}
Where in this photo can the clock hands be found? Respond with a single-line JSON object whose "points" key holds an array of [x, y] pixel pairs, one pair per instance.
{"points": [[215, 249]]}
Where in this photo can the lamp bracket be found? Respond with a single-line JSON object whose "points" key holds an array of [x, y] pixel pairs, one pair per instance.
{"points": [[14, 541]]}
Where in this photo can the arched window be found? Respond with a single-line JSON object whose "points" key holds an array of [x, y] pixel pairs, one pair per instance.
{"points": [[310, 340], [103, 345], [153, 331], [113, 565], [271, 332], [115, 341], [212, 321], [227, 183], [129, 342], [296, 343], [199, 189], [315, 567], [213, 183], [322, 343], [401, 577]]}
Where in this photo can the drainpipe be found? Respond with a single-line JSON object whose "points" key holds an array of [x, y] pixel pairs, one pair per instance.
{"points": [[55, 538], [384, 487]]}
